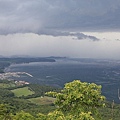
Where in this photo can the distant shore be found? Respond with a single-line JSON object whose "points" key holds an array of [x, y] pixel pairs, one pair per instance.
{"points": [[6, 62]]}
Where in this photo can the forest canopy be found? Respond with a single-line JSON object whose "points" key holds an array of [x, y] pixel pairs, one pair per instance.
{"points": [[77, 100]]}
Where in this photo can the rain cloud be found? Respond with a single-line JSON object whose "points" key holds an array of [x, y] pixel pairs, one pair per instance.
{"points": [[74, 28], [28, 16]]}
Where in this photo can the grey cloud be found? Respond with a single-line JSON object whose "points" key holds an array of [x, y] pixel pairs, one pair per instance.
{"points": [[117, 40], [22, 16], [83, 36], [56, 33]]}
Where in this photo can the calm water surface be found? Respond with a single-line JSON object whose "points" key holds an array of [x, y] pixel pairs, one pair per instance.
{"points": [[62, 71]]}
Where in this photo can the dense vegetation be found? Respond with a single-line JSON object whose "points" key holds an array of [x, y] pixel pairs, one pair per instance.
{"points": [[76, 101], [18, 103], [37, 89]]}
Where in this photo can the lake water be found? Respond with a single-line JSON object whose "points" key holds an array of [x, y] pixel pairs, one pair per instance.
{"points": [[58, 73]]}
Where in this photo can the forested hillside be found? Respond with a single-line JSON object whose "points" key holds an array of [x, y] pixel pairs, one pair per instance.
{"points": [[76, 101]]}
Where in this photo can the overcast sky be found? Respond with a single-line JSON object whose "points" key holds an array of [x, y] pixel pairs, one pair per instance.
{"points": [[73, 28]]}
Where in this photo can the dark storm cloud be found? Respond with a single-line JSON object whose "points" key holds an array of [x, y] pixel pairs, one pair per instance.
{"points": [[23, 16], [57, 33]]}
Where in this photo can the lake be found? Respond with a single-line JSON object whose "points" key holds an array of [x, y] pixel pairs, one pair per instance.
{"points": [[101, 72]]}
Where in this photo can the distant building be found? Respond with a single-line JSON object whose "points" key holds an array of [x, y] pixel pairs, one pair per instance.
{"points": [[21, 83]]}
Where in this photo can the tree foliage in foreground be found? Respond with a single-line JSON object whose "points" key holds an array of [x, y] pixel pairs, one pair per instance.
{"points": [[78, 98], [77, 101]]}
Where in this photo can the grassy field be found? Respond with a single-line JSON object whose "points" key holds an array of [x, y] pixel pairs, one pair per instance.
{"points": [[22, 91], [42, 100]]}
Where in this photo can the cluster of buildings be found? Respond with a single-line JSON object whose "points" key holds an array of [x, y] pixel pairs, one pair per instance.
{"points": [[21, 83], [9, 75], [4, 76], [12, 74]]}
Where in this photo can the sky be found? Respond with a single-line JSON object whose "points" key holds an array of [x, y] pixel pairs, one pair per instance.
{"points": [[71, 28]]}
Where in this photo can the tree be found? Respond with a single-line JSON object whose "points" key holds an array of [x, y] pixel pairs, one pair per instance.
{"points": [[79, 99], [4, 112], [23, 116]]}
